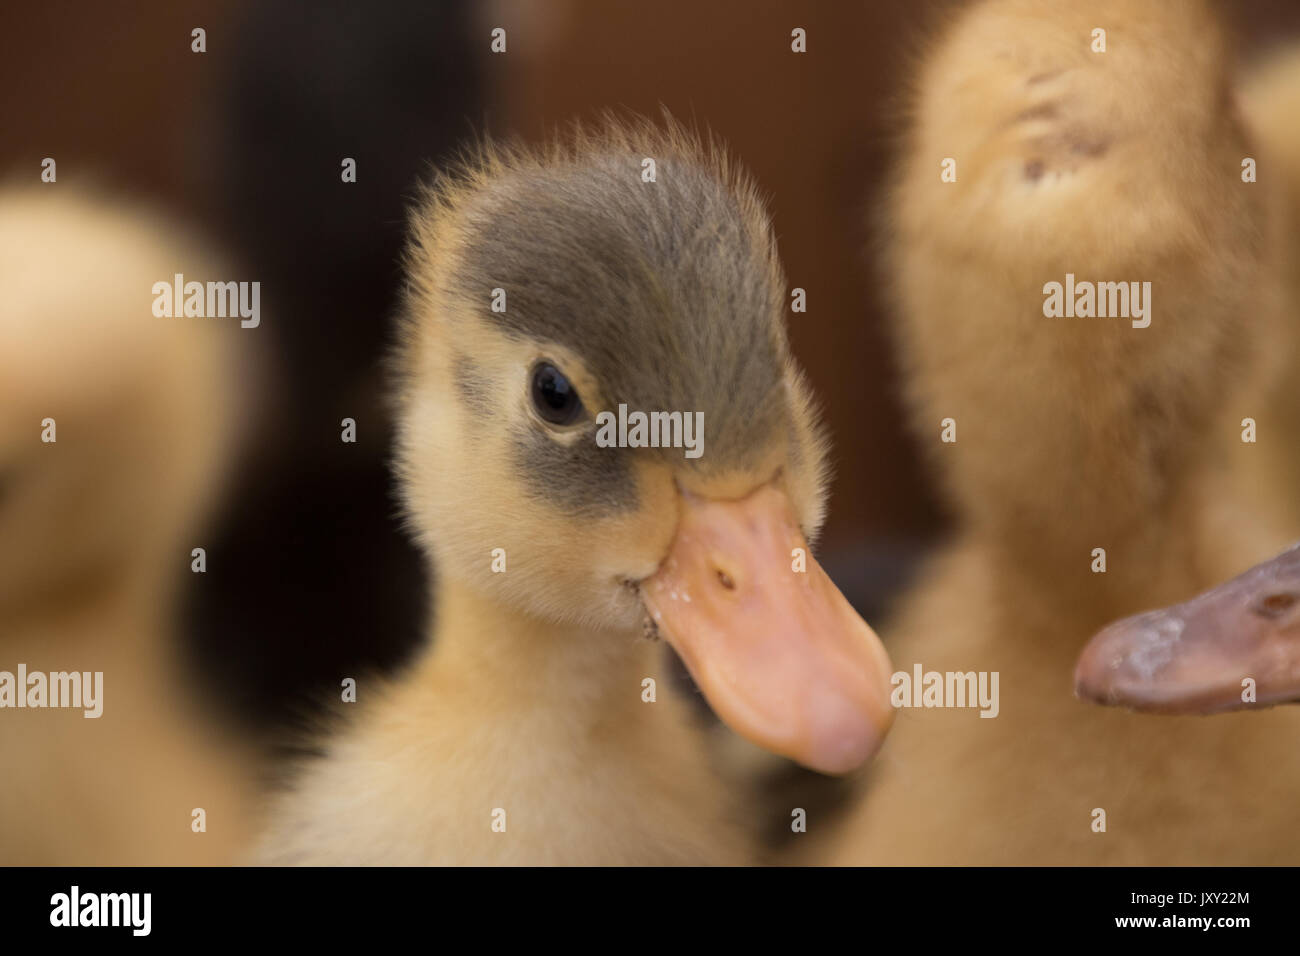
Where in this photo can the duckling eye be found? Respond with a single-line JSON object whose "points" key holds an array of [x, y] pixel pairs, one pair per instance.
{"points": [[554, 396]]}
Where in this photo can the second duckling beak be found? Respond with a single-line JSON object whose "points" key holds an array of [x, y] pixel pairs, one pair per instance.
{"points": [[1196, 657], [778, 652]]}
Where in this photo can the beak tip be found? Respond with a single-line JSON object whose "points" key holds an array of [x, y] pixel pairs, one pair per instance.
{"points": [[846, 739], [837, 763]]}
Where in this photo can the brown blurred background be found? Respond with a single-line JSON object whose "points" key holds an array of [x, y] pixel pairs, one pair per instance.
{"points": [[245, 141]]}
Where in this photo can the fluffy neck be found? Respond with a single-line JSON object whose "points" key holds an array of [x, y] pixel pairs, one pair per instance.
{"points": [[590, 674]]}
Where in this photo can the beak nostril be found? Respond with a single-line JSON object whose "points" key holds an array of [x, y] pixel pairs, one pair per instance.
{"points": [[1274, 605], [725, 579]]}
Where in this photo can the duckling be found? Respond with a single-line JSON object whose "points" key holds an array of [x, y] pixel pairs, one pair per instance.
{"points": [[1270, 100], [1192, 657], [112, 424], [1075, 434], [553, 295], [1233, 647]]}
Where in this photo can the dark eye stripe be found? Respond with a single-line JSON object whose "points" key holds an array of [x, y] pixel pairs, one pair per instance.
{"points": [[579, 479]]}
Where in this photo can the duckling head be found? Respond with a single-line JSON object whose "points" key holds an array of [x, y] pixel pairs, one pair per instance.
{"points": [[1194, 657], [112, 420], [553, 298]]}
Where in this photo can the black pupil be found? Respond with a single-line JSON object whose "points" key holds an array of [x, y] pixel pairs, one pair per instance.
{"points": [[554, 395]]}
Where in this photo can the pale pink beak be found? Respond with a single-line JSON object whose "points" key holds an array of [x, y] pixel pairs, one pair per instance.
{"points": [[1234, 647], [774, 646]]}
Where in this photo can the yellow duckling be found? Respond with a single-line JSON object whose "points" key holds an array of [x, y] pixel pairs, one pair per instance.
{"points": [[1098, 467], [602, 431], [112, 423]]}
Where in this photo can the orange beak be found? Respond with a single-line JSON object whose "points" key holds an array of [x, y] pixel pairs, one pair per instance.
{"points": [[778, 652]]}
